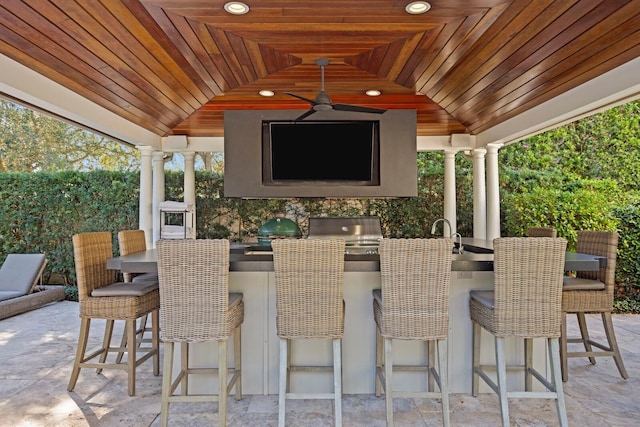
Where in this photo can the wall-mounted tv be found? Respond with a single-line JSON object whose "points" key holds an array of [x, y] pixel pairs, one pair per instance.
{"points": [[321, 152], [387, 155]]}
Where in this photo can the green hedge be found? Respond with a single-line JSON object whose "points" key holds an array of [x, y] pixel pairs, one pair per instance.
{"points": [[41, 211]]}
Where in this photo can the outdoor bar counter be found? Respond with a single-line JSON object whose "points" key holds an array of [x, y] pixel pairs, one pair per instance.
{"points": [[253, 276]]}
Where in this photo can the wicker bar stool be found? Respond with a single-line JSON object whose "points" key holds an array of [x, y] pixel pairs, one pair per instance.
{"points": [[592, 292], [101, 297], [196, 306], [132, 241], [526, 302], [413, 304], [542, 232], [309, 277]]}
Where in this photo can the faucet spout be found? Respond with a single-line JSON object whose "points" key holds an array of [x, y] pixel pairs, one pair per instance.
{"points": [[458, 236], [444, 220]]}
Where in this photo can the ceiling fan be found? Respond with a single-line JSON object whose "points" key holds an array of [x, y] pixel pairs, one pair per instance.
{"points": [[323, 102]]}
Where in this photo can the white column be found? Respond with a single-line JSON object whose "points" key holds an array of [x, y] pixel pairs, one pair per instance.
{"points": [[190, 182], [145, 219], [493, 192], [450, 188], [158, 192], [479, 194]]}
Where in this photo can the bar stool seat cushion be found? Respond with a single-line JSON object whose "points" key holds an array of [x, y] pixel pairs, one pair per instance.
{"points": [[486, 298], [581, 284], [120, 289], [377, 295], [146, 277], [235, 299]]}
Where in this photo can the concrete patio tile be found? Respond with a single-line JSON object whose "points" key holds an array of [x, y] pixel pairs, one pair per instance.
{"points": [[37, 350]]}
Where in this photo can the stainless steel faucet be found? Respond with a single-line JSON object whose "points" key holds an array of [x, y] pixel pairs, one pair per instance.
{"points": [[453, 235], [445, 220], [460, 247]]}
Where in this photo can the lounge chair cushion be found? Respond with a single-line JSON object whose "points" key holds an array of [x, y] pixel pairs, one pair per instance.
{"points": [[20, 273], [122, 289]]}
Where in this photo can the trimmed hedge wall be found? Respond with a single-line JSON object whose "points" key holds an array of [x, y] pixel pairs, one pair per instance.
{"points": [[41, 211]]}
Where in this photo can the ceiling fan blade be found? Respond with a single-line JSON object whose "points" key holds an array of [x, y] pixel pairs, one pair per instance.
{"points": [[305, 115], [357, 108], [310, 101]]}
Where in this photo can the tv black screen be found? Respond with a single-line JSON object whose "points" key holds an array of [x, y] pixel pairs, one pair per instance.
{"points": [[320, 152]]}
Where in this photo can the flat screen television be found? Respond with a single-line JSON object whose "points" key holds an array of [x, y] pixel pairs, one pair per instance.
{"points": [[321, 152]]}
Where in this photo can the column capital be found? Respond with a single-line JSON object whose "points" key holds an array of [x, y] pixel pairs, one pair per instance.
{"points": [[145, 149], [478, 153], [494, 147]]}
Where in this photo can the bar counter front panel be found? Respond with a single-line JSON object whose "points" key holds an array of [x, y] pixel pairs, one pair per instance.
{"points": [[253, 276]]}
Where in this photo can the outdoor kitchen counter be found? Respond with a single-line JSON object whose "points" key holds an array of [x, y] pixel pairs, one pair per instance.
{"points": [[253, 276]]}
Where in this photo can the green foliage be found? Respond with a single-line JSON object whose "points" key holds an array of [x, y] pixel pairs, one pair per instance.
{"points": [[31, 142], [42, 211], [628, 261]]}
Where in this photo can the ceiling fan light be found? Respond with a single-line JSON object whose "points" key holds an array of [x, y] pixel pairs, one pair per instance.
{"points": [[236, 8], [417, 7], [266, 92], [373, 92]]}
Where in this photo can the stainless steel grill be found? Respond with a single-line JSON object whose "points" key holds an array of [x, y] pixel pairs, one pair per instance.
{"points": [[362, 234]]}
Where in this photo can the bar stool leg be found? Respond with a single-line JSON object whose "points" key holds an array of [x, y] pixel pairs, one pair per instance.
{"points": [[443, 370], [607, 321], [379, 362], [237, 362], [475, 378], [106, 342], [83, 337], [501, 367], [131, 355], [556, 378], [388, 378], [564, 365], [282, 381], [528, 363], [584, 335], [337, 379], [222, 383], [184, 366], [167, 379]]}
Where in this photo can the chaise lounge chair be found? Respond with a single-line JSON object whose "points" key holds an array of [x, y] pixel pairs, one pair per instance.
{"points": [[19, 276]]}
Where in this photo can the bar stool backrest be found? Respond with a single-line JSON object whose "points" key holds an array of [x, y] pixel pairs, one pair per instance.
{"points": [[605, 244], [91, 251], [528, 275], [309, 278], [415, 274], [542, 232], [194, 290], [131, 241]]}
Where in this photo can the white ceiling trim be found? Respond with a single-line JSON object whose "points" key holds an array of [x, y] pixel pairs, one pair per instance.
{"points": [[24, 84], [618, 86]]}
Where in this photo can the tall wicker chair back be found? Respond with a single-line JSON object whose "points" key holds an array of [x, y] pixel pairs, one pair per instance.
{"points": [[195, 307], [101, 297], [309, 277], [525, 302], [592, 292], [132, 241], [413, 304], [542, 232]]}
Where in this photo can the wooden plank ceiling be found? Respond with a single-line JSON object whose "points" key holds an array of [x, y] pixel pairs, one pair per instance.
{"points": [[174, 66]]}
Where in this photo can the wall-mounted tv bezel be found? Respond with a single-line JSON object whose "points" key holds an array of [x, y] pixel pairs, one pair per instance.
{"points": [[243, 156], [321, 152]]}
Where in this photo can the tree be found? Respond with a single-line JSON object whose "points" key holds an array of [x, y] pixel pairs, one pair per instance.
{"points": [[31, 142]]}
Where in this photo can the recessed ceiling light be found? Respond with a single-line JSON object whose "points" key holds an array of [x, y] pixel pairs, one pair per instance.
{"points": [[266, 93], [236, 8], [417, 7], [373, 92]]}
